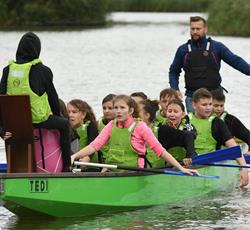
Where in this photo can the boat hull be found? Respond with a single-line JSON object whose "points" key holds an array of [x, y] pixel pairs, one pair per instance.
{"points": [[84, 194]]}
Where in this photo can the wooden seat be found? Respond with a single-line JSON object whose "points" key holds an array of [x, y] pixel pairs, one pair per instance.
{"points": [[15, 114]]}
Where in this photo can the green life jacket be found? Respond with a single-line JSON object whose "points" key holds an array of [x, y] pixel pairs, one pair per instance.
{"points": [[83, 139], [121, 152], [159, 119], [105, 147], [154, 160], [83, 135], [204, 141], [178, 152], [18, 84], [101, 125]]}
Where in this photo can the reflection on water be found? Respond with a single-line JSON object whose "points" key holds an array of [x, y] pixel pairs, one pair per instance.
{"points": [[125, 58], [217, 210]]}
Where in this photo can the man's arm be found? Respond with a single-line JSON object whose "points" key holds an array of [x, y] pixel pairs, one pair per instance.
{"points": [[175, 69], [233, 60]]}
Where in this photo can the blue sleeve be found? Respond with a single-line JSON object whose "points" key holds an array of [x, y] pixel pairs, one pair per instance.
{"points": [[233, 60], [175, 69]]}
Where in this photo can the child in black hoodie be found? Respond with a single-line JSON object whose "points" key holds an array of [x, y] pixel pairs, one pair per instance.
{"points": [[36, 80]]}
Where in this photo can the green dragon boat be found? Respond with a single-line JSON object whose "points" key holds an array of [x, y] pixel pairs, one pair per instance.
{"points": [[25, 191], [90, 193]]}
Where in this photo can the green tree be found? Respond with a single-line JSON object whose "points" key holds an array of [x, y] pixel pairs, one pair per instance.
{"points": [[52, 12], [230, 17], [159, 5]]}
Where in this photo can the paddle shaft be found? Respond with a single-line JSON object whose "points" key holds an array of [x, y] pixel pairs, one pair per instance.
{"points": [[119, 167], [228, 165], [149, 170]]}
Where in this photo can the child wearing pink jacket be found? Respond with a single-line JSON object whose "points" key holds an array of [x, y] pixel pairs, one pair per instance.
{"points": [[125, 108]]}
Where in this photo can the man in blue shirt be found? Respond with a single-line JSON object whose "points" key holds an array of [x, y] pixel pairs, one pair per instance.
{"points": [[200, 59]]}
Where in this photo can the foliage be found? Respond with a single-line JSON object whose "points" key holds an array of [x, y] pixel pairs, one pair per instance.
{"points": [[232, 18], [52, 12], [159, 5], [225, 17]]}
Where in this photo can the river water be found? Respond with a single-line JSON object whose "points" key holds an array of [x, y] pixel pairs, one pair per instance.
{"points": [[134, 55]]}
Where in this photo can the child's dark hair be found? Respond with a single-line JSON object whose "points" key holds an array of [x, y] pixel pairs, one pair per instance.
{"points": [[83, 106], [64, 113], [150, 107], [218, 95], [177, 102], [130, 102], [109, 97], [170, 92], [200, 94], [139, 94], [63, 109]]}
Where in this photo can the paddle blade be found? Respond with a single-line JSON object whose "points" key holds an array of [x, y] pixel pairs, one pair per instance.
{"points": [[218, 155], [179, 173], [3, 167], [247, 158]]}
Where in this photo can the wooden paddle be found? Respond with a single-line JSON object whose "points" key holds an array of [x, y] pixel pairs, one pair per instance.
{"points": [[149, 170]]}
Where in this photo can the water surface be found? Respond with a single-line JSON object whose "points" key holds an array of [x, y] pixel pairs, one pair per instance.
{"points": [[134, 55]]}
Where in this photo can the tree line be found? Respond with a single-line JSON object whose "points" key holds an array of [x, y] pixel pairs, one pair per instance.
{"points": [[225, 17], [23, 13]]}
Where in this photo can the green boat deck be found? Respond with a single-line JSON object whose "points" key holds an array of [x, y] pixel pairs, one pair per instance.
{"points": [[84, 194]]}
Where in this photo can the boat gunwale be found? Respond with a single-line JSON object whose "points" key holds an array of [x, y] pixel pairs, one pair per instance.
{"points": [[84, 174], [75, 175]]}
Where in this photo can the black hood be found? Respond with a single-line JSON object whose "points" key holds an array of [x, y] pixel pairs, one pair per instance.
{"points": [[28, 48]]}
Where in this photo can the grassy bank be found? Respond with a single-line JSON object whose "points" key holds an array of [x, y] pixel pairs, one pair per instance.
{"points": [[52, 13], [226, 17], [159, 5], [232, 18]]}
